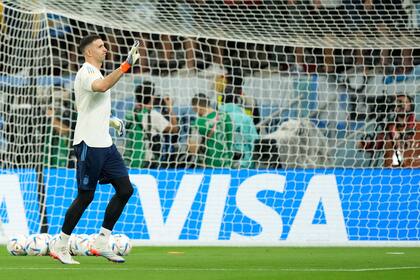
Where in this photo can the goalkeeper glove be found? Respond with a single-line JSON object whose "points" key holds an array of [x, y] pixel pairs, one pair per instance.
{"points": [[132, 57], [118, 125]]}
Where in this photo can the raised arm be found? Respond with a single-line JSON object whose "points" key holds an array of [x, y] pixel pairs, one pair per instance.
{"points": [[102, 85]]}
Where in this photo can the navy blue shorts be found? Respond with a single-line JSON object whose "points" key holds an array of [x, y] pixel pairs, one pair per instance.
{"points": [[98, 164]]}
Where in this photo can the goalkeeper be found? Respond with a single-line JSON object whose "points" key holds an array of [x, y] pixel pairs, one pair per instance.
{"points": [[97, 157]]}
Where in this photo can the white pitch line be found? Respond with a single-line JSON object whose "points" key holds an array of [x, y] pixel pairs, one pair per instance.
{"points": [[216, 269]]}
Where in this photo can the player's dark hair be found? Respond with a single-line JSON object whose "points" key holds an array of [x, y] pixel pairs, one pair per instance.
{"points": [[87, 40], [145, 92], [201, 100]]}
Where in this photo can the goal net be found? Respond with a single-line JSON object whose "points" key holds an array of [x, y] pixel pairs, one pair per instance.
{"points": [[274, 122]]}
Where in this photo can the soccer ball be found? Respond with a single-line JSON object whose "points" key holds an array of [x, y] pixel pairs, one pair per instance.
{"points": [[52, 241], [16, 245], [72, 244], [92, 239], [47, 237], [80, 245], [36, 245], [121, 244]]}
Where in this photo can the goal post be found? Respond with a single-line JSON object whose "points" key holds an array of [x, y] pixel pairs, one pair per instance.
{"points": [[315, 143]]}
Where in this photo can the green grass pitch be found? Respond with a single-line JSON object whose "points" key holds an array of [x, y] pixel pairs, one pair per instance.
{"points": [[201, 263]]}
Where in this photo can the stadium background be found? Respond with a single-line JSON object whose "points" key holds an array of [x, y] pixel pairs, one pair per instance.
{"points": [[353, 195]]}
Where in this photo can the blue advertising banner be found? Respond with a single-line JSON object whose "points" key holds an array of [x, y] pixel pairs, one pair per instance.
{"points": [[19, 201], [336, 205]]}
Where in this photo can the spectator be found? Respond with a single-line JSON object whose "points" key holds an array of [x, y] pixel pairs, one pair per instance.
{"points": [[159, 52], [412, 8], [375, 15], [211, 132], [388, 15], [163, 46], [234, 83], [397, 62], [58, 152], [395, 134], [244, 131], [3, 142], [167, 60], [211, 53], [202, 53], [146, 128], [63, 44], [321, 17]]}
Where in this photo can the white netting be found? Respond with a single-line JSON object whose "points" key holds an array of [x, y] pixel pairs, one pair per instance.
{"points": [[285, 22], [301, 88]]}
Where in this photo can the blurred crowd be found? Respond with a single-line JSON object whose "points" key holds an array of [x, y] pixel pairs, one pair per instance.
{"points": [[226, 129]]}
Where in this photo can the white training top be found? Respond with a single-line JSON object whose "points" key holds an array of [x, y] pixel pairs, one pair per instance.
{"points": [[93, 109]]}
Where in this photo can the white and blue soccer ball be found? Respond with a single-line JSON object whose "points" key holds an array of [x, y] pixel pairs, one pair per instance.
{"points": [[72, 244], [47, 237], [80, 245], [16, 245], [37, 245], [52, 241], [121, 244]]}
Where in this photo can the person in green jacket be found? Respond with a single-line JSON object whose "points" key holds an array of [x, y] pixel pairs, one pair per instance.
{"points": [[211, 131]]}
